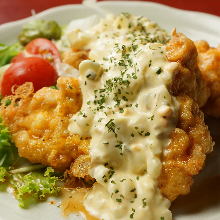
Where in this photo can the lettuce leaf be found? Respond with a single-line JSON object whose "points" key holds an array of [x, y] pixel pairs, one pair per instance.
{"points": [[34, 186], [3, 174], [8, 151], [8, 52], [39, 29]]}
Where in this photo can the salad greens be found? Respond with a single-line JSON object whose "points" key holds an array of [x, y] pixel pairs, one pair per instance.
{"points": [[39, 28], [8, 52], [30, 183], [32, 30], [31, 187], [3, 174], [8, 151]]}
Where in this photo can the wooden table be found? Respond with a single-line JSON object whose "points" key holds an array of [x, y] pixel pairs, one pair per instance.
{"points": [[11, 10]]}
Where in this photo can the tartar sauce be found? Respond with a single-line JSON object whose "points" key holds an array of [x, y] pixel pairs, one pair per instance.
{"points": [[129, 114]]}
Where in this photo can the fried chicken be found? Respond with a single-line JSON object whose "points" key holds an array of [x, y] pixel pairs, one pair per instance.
{"points": [[188, 80], [209, 64], [38, 123], [184, 157], [74, 58], [191, 140]]}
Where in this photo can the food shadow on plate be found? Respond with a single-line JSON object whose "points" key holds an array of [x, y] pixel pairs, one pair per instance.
{"points": [[205, 192]]}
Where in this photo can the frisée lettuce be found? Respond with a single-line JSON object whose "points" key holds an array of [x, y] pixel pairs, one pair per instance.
{"points": [[31, 187]]}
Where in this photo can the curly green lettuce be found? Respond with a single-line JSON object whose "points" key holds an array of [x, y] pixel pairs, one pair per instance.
{"points": [[34, 186]]}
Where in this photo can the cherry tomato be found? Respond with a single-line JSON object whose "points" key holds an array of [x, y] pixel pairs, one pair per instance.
{"points": [[29, 69], [40, 47], [44, 48], [17, 58]]}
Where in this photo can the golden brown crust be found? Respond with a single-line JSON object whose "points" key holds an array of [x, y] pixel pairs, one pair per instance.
{"points": [[184, 156], [38, 123], [188, 80], [209, 64], [74, 58], [78, 174], [190, 142], [186, 153]]}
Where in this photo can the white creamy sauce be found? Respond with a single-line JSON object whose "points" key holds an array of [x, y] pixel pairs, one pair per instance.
{"points": [[129, 113]]}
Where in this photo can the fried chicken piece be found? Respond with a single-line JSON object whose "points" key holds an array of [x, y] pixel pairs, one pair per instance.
{"points": [[78, 173], [190, 141], [38, 123], [209, 64], [184, 157], [188, 80], [186, 153], [74, 58]]}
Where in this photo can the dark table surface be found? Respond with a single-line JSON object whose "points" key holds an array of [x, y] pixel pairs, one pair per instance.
{"points": [[11, 10]]}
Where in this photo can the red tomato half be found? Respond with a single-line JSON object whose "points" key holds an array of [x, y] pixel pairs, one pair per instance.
{"points": [[29, 69], [44, 48], [17, 58]]}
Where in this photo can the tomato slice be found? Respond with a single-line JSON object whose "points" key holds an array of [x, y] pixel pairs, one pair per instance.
{"points": [[44, 48], [29, 69]]}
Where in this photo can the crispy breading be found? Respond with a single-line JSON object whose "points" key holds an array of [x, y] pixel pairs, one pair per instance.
{"points": [[185, 155], [38, 123], [209, 64], [74, 58], [78, 174], [188, 80], [190, 142]]}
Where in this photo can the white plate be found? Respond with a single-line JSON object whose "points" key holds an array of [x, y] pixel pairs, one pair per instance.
{"points": [[204, 201]]}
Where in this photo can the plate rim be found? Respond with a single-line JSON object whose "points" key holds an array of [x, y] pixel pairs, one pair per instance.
{"points": [[56, 9]]}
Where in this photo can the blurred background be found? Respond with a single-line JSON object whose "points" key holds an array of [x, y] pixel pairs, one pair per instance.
{"points": [[11, 10]]}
